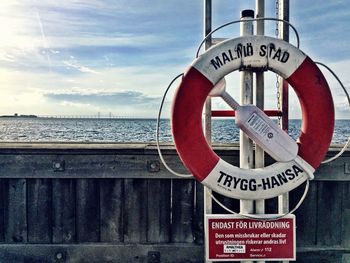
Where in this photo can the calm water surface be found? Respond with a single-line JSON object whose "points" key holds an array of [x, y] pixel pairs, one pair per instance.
{"points": [[125, 130]]}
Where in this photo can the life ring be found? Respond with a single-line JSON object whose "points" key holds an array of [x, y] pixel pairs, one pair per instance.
{"points": [[254, 53]]}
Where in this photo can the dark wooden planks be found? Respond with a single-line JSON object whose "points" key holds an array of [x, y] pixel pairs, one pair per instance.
{"points": [[135, 210], [118, 161], [99, 204], [329, 208], [16, 211], [337, 170], [122, 253], [198, 226], [230, 203], [3, 183], [158, 210], [323, 256], [102, 253], [39, 210], [306, 215], [63, 211], [104, 165], [345, 233], [87, 210], [182, 211], [271, 205], [111, 205]]}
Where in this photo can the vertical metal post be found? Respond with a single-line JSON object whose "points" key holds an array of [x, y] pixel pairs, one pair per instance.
{"points": [[207, 108], [259, 98], [283, 33], [259, 101], [246, 158], [246, 88], [208, 43]]}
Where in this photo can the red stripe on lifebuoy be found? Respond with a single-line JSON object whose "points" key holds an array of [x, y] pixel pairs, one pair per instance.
{"points": [[317, 112], [187, 121]]}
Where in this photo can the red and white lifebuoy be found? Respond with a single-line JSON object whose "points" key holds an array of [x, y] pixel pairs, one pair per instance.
{"points": [[256, 53]]}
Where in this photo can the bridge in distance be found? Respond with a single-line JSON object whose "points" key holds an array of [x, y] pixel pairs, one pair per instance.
{"points": [[86, 117]]}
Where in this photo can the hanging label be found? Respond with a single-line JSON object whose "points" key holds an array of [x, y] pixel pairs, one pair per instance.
{"points": [[260, 126], [233, 238]]}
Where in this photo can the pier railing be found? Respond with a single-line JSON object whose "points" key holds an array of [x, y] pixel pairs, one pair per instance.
{"points": [[116, 203]]}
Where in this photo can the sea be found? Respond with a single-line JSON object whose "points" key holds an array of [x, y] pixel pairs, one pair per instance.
{"points": [[119, 130]]}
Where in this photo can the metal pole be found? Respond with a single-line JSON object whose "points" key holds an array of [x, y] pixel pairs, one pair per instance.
{"points": [[259, 98], [246, 89], [283, 33], [208, 43], [246, 157], [208, 206], [259, 102]]}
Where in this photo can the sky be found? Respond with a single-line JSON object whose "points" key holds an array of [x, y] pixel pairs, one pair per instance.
{"points": [[90, 57]]}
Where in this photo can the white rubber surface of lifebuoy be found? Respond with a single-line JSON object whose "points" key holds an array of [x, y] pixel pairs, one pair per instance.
{"points": [[256, 53]]}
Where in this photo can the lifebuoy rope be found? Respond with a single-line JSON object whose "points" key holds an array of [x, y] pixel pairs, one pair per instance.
{"points": [[274, 217], [247, 20], [157, 131], [348, 98], [189, 175], [260, 217]]}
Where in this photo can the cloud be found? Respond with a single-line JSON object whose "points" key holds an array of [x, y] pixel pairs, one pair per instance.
{"points": [[86, 56], [73, 63], [5, 56], [322, 28], [43, 35]]}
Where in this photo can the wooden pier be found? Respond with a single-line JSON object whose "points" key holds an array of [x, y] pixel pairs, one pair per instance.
{"points": [[117, 203]]}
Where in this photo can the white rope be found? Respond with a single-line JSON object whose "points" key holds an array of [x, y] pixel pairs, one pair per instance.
{"points": [[256, 216], [263, 216], [251, 19], [157, 132], [259, 217]]}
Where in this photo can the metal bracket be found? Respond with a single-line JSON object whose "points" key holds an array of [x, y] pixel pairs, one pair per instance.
{"points": [[347, 168], [153, 166], [153, 257], [60, 256], [58, 166]]}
